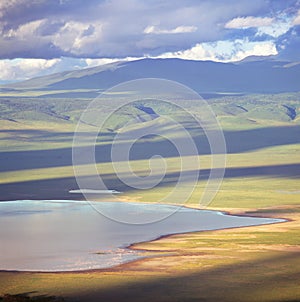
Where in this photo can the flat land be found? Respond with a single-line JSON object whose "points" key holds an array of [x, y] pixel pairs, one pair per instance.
{"points": [[260, 263]]}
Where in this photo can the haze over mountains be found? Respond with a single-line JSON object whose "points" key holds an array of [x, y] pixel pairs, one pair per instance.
{"points": [[253, 75]]}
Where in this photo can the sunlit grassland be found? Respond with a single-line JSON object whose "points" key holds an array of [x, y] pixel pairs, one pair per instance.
{"points": [[235, 192]]}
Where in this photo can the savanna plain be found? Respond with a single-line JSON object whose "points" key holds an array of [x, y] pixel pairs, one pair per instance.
{"points": [[258, 263]]}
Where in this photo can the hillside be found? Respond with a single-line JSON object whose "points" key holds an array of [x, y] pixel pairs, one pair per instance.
{"points": [[247, 76], [244, 111]]}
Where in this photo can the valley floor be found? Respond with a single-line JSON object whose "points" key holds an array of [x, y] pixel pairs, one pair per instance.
{"points": [[252, 264]]}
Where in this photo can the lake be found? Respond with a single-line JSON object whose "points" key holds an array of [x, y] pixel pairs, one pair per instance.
{"points": [[71, 235]]}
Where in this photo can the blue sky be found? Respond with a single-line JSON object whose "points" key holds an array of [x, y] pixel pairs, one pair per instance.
{"points": [[39, 37]]}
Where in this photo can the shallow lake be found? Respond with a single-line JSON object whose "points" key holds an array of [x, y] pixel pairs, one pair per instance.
{"points": [[72, 235]]}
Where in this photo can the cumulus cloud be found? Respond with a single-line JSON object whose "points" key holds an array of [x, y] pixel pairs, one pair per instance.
{"points": [[22, 69], [197, 52], [106, 30], [247, 22], [98, 28], [274, 27], [177, 30], [24, 31], [103, 61], [79, 38], [225, 51], [14, 13], [265, 48], [296, 21], [275, 30]]}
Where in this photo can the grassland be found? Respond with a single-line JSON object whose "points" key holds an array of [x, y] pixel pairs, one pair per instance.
{"points": [[260, 263]]}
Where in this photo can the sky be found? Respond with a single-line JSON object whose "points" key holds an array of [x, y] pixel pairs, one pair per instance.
{"points": [[40, 37]]}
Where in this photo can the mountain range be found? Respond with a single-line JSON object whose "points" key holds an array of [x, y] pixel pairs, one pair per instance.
{"points": [[253, 75]]}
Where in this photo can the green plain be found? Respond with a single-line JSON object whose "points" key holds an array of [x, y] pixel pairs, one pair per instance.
{"points": [[260, 263]]}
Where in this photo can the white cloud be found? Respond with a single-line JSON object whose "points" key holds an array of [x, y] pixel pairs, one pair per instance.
{"points": [[96, 62], [30, 65], [265, 25], [106, 29], [103, 61], [112, 29], [265, 48], [225, 51], [197, 52], [24, 31], [21, 69], [275, 30], [24, 37], [177, 30], [248, 22], [296, 21], [5, 5], [79, 38]]}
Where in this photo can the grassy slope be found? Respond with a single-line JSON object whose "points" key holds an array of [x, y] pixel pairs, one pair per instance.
{"points": [[250, 264]]}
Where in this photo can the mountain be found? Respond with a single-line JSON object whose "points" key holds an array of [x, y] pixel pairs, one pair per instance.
{"points": [[247, 76]]}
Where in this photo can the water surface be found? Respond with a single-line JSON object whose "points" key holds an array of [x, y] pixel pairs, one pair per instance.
{"points": [[71, 235]]}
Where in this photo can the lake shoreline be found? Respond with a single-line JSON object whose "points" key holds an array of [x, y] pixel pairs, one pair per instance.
{"points": [[136, 246], [210, 264]]}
